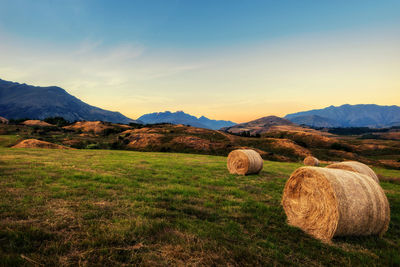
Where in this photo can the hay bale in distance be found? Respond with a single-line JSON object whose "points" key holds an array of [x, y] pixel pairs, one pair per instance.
{"points": [[355, 166], [326, 202], [244, 161], [311, 161]]}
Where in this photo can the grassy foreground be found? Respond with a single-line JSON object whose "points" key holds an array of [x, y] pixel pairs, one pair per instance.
{"points": [[102, 207]]}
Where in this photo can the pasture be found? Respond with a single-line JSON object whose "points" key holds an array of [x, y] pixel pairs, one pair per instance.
{"points": [[106, 207]]}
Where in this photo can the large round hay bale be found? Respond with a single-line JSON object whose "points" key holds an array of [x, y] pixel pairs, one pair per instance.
{"points": [[355, 166], [244, 161], [327, 202], [311, 161]]}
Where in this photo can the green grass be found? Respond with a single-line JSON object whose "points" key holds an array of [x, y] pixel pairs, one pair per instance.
{"points": [[102, 207], [9, 140]]}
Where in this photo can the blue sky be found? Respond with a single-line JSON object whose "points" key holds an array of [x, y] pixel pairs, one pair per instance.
{"points": [[188, 23], [177, 51]]}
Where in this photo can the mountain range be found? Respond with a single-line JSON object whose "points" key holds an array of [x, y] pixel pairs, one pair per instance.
{"points": [[26, 101], [181, 117], [19, 101], [367, 115]]}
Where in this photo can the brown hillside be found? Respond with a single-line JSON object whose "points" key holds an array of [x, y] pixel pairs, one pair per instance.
{"points": [[296, 128], [193, 142], [143, 140], [306, 139], [34, 143], [258, 126], [191, 139], [36, 123], [280, 142], [174, 137], [289, 144], [96, 127], [392, 135]]}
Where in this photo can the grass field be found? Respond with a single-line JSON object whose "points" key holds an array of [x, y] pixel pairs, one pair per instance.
{"points": [[104, 207]]}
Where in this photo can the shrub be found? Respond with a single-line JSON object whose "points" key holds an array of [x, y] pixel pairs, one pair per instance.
{"points": [[338, 146], [136, 125], [93, 146], [58, 121]]}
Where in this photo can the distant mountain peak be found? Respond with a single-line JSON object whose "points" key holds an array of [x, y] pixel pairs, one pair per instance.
{"points": [[180, 117], [346, 115], [35, 102]]}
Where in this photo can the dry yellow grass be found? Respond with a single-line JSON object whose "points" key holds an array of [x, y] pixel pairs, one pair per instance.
{"points": [[142, 140], [95, 127], [193, 142], [36, 123], [279, 143], [34, 143]]}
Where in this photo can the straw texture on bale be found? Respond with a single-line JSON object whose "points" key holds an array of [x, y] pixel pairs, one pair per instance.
{"points": [[327, 202], [355, 166], [311, 161], [244, 161]]}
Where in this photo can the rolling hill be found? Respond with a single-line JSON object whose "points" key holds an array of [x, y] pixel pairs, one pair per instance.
{"points": [[34, 102], [258, 126], [368, 115]]}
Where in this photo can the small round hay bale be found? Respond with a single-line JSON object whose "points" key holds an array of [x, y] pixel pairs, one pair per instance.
{"points": [[355, 166], [326, 202], [311, 161], [244, 161]]}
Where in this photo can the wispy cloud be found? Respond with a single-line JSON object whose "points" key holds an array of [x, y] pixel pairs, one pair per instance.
{"points": [[238, 82], [90, 63]]}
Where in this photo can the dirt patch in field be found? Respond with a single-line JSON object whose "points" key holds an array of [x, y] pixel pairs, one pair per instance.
{"points": [[61, 208], [183, 254], [37, 123], [34, 143]]}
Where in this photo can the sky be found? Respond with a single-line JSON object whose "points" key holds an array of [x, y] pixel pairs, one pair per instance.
{"points": [[233, 60]]}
